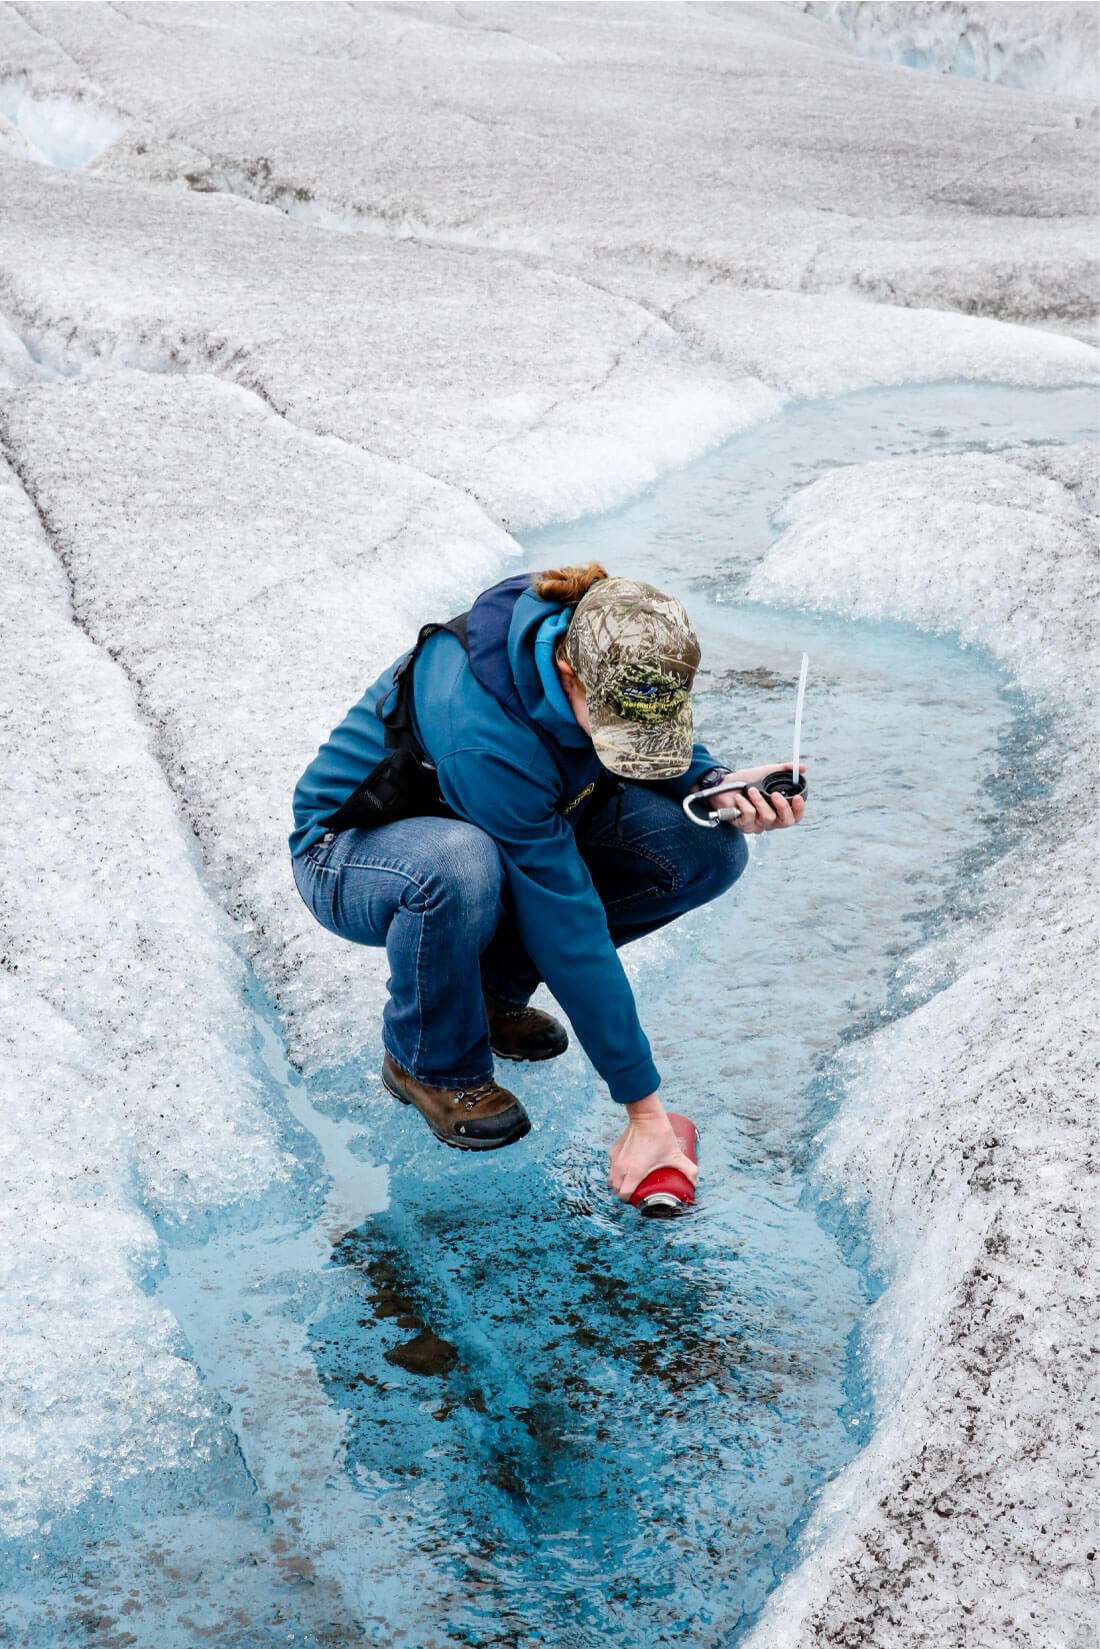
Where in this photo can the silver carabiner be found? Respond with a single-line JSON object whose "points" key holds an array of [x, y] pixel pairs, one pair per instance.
{"points": [[720, 815]]}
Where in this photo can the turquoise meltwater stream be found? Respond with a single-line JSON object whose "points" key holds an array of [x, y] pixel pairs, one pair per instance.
{"points": [[476, 1401]]}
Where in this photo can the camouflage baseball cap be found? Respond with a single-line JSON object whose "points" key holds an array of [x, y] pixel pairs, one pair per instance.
{"points": [[636, 654]]}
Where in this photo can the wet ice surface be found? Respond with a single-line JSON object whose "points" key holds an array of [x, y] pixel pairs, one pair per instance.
{"points": [[711, 521], [636, 1417], [965, 1128], [470, 1400]]}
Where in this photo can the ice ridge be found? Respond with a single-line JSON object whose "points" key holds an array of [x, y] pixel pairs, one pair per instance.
{"points": [[129, 1085], [967, 1128]]}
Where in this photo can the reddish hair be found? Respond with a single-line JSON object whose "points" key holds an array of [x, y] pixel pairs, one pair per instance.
{"points": [[568, 585]]}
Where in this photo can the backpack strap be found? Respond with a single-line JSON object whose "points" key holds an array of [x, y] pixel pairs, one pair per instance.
{"points": [[399, 725], [403, 784]]}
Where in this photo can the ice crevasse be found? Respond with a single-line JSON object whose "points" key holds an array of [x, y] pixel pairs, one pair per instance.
{"points": [[54, 130]]}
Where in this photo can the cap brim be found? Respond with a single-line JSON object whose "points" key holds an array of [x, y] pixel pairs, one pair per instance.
{"points": [[642, 750]]}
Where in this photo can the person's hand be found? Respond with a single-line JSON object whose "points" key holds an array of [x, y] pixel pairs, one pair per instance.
{"points": [[646, 1143], [756, 812]]}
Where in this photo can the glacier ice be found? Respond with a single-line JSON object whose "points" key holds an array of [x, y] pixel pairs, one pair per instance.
{"points": [[56, 131], [966, 1129], [343, 295], [129, 1090], [220, 523], [792, 163], [1035, 47]]}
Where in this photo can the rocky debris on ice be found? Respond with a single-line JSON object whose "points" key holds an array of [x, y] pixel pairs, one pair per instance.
{"points": [[966, 1134]]}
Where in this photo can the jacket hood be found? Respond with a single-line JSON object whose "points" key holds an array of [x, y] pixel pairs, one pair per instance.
{"points": [[532, 634]]}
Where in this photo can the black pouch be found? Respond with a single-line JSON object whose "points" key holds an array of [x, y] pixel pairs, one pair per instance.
{"points": [[400, 787], [404, 784]]}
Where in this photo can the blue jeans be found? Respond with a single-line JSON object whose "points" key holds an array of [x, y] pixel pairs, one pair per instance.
{"points": [[433, 891]]}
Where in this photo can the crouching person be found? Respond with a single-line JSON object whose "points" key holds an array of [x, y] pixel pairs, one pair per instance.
{"points": [[503, 806]]}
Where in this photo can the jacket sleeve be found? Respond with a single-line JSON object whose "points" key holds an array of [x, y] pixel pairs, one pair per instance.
{"points": [[559, 914]]}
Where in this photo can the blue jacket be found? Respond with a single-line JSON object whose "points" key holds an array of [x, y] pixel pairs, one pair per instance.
{"points": [[497, 773]]}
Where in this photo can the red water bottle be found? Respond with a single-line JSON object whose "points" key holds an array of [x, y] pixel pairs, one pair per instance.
{"points": [[666, 1191]]}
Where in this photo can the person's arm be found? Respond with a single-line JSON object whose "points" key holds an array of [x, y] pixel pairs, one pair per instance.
{"points": [[562, 922], [558, 912]]}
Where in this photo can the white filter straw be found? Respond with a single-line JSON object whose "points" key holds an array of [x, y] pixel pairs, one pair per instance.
{"points": [[798, 713]]}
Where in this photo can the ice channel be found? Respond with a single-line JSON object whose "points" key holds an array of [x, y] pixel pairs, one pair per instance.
{"points": [[55, 131], [477, 1401]]}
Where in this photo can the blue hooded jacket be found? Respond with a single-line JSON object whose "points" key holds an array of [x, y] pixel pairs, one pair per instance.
{"points": [[497, 773]]}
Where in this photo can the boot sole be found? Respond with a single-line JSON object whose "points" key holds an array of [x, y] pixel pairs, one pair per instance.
{"points": [[527, 1059], [461, 1144]]}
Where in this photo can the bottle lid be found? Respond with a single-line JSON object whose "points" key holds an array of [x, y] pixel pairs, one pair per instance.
{"points": [[661, 1205]]}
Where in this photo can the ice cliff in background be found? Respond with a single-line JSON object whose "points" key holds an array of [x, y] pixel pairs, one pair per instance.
{"points": [[1035, 48], [303, 308]]}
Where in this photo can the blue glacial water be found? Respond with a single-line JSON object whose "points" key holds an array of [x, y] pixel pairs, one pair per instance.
{"points": [[475, 1401]]}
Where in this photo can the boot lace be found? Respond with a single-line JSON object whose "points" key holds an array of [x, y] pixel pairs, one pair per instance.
{"points": [[503, 1012], [474, 1096]]}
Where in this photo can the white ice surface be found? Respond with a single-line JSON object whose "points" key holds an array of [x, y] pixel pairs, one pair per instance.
{"points": [[968, 1127], [124, 1040], [491, 264], [542, 393], [660, 146], [252, 579], [1035, 47], [95, 1388]]}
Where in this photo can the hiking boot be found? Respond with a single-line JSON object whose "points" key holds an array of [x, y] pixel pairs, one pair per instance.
{"points": [[482, 1118], [524, 1033]]}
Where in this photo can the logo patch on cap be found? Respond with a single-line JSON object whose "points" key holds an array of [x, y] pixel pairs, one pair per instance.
{"points": [[642, 694]]}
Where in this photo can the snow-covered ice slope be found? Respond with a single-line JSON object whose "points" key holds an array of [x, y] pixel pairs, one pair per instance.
{"points": [[252, 579], [546, 396], [1035, 47], [350, 288], [477, 369], [968, 1128], [124, 1040], [653, 148]]}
